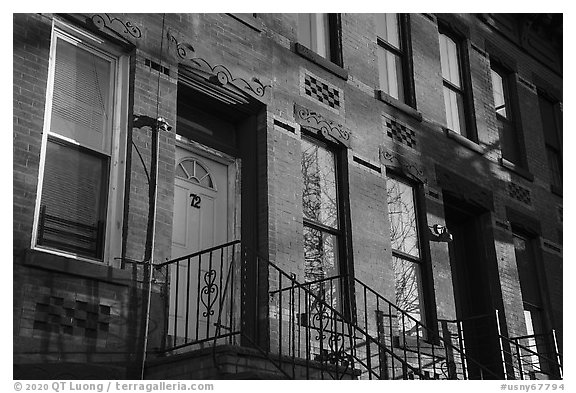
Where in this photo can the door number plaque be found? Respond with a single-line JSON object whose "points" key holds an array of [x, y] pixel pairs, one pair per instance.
{"points": [[195, 201]]}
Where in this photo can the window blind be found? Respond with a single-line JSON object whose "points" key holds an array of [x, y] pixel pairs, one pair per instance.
{"points": [[73, 199], [82, 98]]}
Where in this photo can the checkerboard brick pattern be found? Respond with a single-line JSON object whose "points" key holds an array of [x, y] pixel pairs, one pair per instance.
{"points": [[61, 315], [519, 193], [400, 132], [322, 92]]}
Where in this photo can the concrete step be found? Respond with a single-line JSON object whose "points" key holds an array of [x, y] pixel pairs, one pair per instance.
{"points": [[253, 375]]}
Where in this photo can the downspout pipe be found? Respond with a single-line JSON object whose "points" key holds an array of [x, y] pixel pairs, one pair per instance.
{"points": [[156, 125]]}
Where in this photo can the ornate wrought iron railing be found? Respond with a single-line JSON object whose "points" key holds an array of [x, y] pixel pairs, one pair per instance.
{"points": [[203, 294], [310, 333], [311, 330]]}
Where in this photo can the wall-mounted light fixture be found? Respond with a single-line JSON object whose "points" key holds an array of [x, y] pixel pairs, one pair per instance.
{"points": [[155, 124], [440, 233]]}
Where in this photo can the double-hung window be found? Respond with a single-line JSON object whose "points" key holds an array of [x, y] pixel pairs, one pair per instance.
{"points": [[322, 227], [509, 141], [391, 55], [79, 195], [453, 86], [319, 33], [532, 299], [552, 138], [406, 251]]}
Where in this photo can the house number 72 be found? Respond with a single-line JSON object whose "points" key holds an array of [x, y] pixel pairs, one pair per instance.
{"points": [[195, 201]]}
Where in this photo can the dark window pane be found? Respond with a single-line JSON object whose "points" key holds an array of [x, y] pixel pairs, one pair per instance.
{"points": [[199, 125], [527, 272], [320, 254], [321, 262], [552, 138], [402, 214], [549, 122], [554, 165], [73, 200], [510, 149], [319, 200], [320, 206], [461, 115], [407, 286]]}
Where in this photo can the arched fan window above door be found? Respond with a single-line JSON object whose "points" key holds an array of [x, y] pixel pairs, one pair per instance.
{"points": [[193, 170]]}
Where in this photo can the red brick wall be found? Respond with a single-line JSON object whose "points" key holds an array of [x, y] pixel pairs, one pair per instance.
{"points": [[30, 72]]}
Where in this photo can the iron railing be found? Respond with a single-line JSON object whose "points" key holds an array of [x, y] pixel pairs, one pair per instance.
{"points": [[330, 328], [479, 337], [311, 335], [314, 336], [438, 353], [203, 294], [534, 357], [524, 357]]}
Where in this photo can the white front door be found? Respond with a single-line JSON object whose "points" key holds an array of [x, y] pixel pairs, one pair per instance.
{"points": [[200, 204], [201, 217]]}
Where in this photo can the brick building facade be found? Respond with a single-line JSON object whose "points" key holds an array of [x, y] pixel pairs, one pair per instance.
{"points": [[388, 189]]}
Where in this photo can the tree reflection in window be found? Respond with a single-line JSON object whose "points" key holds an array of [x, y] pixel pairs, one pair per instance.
{"points": [[405, 250], [321, 227]]}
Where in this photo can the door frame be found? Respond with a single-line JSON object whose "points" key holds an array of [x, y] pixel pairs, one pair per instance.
{"points": [[475, 220], [233, 166]]}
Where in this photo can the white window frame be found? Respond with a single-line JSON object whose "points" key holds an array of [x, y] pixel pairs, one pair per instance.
{"points": [[117, 168]]}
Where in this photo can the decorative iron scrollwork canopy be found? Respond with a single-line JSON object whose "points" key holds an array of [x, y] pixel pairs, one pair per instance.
{"points": [[102, 21], [393, 160], [218, 74], [315, 121]]}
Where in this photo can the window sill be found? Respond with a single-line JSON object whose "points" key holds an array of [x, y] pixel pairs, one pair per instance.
{"points": [[464, 141], [393, 102], [248, 20], [516, 169], [556, 190], [320, 61], [77, 267]]}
